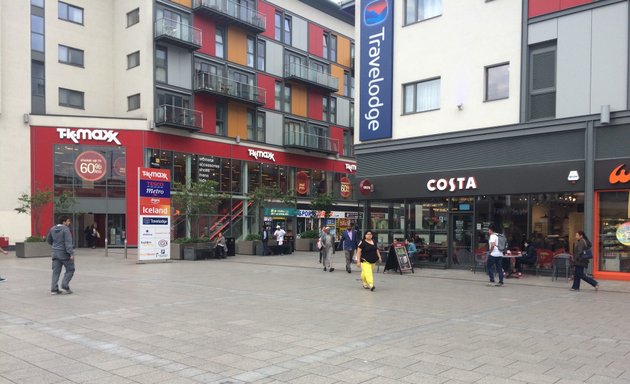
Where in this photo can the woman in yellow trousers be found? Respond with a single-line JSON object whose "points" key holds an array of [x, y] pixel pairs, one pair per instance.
{"points": [[367, 255]]}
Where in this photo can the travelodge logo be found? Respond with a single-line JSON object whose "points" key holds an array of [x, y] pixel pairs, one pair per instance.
{"points": [[88, 134], [619, 175], [375, 12]]}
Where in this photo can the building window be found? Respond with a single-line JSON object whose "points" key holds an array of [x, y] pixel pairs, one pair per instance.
{"points": [[133, 59], [221, 128], [70, 13], [37, 33], [38, 3], [278, 96], [351, 114], [422, 96], [133, 102], [347, 143], [260, 127], [333, 110], [251, 129], [498, 82], [287, 29], [287, 98], [38, 84], [133, 17], [352, 55], [418, 10], [542, 81], [325, 108], [346, 83], [333, 48], [325, 45], [219, 43], [161, 69], [251, 43], [261, 53], [70, 98], [278, 26], [70, 56]]}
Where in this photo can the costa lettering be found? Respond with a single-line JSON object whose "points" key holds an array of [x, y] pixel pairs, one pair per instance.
{"points": [[88, 134], [619, 175], [351, 167], [453, 184], [262, 154]]}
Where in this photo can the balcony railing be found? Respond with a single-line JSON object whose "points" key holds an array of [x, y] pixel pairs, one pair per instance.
{"points": [[299, 138], [223, 86], [234, 12], [311, 76], [178, 117], [178, 33]]}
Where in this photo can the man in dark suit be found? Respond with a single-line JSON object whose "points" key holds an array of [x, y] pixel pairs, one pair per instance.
{"points": [[265, 241], [349, 244]]}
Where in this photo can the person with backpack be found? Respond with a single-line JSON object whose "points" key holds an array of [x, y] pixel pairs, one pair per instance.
{"points": [[580, 261], [495, 257]]}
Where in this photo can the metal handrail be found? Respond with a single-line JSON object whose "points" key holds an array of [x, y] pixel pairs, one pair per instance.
{"points": [[235, 10], [311, 74], [300, 138], [212, 82], [177, 30], [171, 114]]}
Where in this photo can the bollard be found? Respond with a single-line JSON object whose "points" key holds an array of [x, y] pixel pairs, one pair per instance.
{"points": [[106, 249], [125, 248]]}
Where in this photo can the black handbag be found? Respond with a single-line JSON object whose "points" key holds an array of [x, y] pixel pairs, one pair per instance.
{"points": [[587, 254]]}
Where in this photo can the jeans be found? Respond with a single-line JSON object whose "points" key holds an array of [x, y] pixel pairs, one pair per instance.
{"points": [[266, 250], [67, 276], [496, 262], [580, 275]]}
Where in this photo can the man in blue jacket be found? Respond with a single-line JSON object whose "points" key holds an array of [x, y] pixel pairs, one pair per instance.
{"points": [[60, 238], [349, 244]]}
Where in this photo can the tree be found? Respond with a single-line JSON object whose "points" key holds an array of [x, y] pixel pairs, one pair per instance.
{"points": [[34, 203], [193, 199]]}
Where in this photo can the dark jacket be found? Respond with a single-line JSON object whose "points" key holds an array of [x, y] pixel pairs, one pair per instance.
{"points": [[578, 247], [60, 238], [347, 243], [530, 254]]}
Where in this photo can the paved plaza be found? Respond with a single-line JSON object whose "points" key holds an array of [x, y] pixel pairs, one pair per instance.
{"points": [[281, 319]]}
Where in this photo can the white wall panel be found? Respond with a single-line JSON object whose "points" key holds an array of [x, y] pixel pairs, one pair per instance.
{"points": [[275, 55], [274, 128], [300, 33], [543, 31], [573, 65], [179, 67], [343, 112]]}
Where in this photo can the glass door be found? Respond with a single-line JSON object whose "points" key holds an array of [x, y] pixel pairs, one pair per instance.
{"points": [[462, 255]]}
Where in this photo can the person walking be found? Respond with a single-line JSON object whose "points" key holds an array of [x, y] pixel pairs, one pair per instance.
{"points": [[220, 247], [60, 238], [581, 244], [279, 234], [349, 244], [328, 244], [89, 239], [2, 279], [265, 240], [95, 235], [367, 255], [495, 258]]}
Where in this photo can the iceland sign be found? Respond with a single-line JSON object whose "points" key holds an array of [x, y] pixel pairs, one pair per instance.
{"points": [[377, 56]]}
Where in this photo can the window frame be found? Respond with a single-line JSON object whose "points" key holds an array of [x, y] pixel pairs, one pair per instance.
{"points": [[261, 129], [37, 35], [487, 70], [131, 55], [251, 52], [220, 128], [219, 33], [68, 60], [287, 29], [409, 21], [261, 55], [69, 7], [130, 105], [278, 20], [69, 93], [415, 85], [164, 49], [551, 46], [133, 17], [278, 91], [287, 96]]}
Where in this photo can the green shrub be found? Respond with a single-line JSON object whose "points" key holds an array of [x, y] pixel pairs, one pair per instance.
{"points": [[312, 234], [189, 240], [253, 236], [34, 239]]}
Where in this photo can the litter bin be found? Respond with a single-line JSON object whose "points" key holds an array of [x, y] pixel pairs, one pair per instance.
{"points": [[189, 253], [290, 244], [231, 246]]}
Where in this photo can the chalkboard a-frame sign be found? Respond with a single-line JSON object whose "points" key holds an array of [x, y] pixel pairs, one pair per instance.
{"points": [[398, 255]]}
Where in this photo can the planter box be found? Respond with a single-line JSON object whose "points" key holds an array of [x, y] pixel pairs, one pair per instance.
{"points": [[202, 251], [177, 251], [33, 250], [246, 247], [305, 244]]}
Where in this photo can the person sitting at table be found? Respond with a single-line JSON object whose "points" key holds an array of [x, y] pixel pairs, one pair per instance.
{"points": [[528, 258]]}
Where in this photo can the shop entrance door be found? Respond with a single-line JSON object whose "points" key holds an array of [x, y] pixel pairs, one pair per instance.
{"points": [[461, 251]]}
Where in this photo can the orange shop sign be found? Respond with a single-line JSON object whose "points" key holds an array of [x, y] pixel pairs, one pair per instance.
{"points": [[619, 175]]}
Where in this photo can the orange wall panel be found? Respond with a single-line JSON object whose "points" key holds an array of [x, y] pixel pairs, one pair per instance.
{"points": [[298, 100], [237, 46], [337, 71], [343, 51], [237, 120], [185, 3]]}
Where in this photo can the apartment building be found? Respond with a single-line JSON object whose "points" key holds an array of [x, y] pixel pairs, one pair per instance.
{"points": [[503, 112], [246, 93]]}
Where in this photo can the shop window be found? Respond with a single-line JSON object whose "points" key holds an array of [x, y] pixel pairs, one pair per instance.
{"points": [[320, 182], [179, 167], [269, 175], [206, 168], [231, 175], [303, 182], [614, 231], [253, 175]]}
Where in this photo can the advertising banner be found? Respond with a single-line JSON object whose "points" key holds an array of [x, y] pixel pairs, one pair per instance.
{"points": [[377, 59], [154, 214]]}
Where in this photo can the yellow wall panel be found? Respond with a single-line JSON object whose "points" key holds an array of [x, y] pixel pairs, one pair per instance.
{"points": [[237, 120], [343, 51], [337, 71], [185, 3], [237, 46], [298, 100]]}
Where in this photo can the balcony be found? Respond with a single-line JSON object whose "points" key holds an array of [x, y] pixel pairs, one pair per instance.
{"points": [[300, 139], [226, 88], [311, 77], [178, 117], [232, 12], [179, 34]]}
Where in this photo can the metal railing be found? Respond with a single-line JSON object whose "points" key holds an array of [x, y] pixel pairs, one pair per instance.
{"points": [[311, 75], [300, 138], [177, 30], [171, 115], [211, 82], [234, 10]]}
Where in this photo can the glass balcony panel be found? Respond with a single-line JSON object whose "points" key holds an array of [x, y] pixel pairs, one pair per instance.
{"points": [[209, 82], [311, 75], [177, 116], [178, 31], [235, 11]]}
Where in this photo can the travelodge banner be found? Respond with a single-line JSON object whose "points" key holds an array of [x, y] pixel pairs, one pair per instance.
{"points": [[377, 58], [154, 214]]}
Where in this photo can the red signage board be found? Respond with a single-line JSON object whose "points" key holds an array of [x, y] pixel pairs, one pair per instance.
{"points": [[301, 183], [346, 187], [90, 166], [366, 187]]}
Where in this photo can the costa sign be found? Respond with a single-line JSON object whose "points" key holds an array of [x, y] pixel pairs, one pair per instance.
{"points": [[90, 166], [75, 135], [377, 43], [346, 187], [366, 187], [453, 184], [619, 175]]}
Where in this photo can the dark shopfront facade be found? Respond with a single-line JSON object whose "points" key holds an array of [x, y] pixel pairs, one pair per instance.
{"points": [[536, 181]]}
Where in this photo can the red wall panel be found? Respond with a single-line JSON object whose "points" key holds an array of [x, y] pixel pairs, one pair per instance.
{"points": [[208, 32], [269, 84], [270, 13], [208, 107], [315, 105], [315, 40], [336, 133], [543, 7]]}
